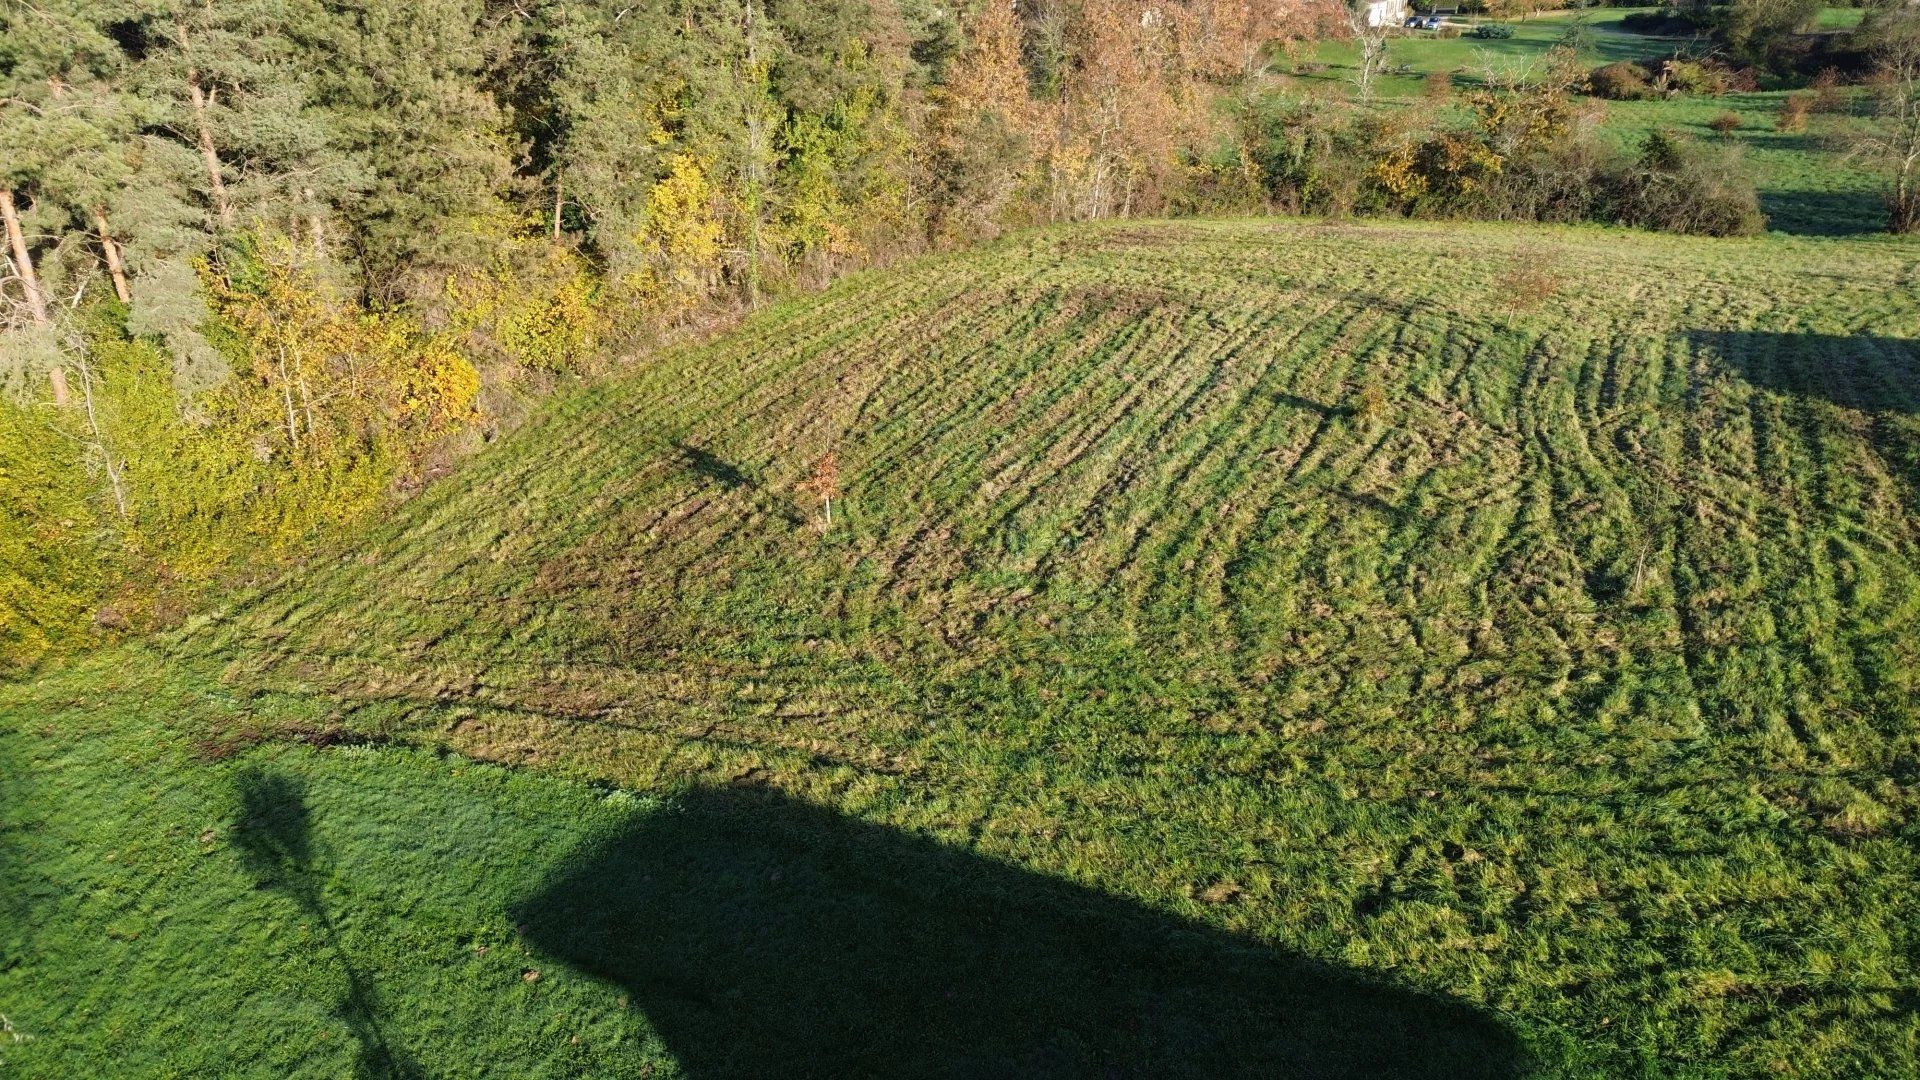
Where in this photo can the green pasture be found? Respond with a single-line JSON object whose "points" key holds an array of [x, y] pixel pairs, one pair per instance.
{"points": [[1266, 648], [1807, 183]]}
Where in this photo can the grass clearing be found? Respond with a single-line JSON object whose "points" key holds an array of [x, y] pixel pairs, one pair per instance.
{"points": [[1536, 684], [1413, 54]]}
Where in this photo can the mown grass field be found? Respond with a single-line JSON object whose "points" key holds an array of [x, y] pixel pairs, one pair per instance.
{"points": [[1807, 183], [1243, 649]]}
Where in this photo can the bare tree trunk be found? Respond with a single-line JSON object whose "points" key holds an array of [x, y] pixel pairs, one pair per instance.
{"points": [[316, 224], [30, 283], [286, 397], [1373, 47], [1896, 146], [100, 444], [1906, 199], [202, 100], [17, 240], [756, 147], [559, 200], [115, 268], [1372, 43]]}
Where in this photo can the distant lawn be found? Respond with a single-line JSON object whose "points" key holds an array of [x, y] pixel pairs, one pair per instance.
{"points": [[1421, 52], [1805, 186], [1843, 18]]}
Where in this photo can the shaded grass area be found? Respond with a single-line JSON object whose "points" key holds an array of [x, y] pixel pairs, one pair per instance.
{"points": [[194, 904], [764, 936], [1872, 376], [1534, 684], [385, 912]]}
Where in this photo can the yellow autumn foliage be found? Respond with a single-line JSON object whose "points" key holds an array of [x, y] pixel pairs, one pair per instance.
{"points": [[546, 315], [683, 240]]}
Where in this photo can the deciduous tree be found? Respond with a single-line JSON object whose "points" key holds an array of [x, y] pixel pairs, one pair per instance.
{"points": [[1893, 141], [1370, 39]]}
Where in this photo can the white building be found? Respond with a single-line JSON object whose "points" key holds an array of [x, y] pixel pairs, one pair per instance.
{"points": [[1388, 12]]}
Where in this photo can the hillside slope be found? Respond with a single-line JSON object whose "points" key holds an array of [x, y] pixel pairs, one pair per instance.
{"points": [[1523, 616]]}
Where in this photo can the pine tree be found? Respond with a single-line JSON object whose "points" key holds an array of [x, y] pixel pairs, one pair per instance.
{"points": [[232, 80], [407, 88], [604, 111], [61, 125], [231, 143]]}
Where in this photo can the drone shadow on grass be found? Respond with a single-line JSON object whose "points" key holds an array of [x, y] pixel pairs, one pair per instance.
{"points": [[765, 937]]}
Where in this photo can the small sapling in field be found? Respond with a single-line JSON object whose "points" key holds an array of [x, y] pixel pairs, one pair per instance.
{"points": [[1793, 113], [1530, 280], [824, 484], [1369, 405]]}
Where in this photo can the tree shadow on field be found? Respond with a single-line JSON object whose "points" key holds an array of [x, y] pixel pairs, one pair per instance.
{"points": [[1878, 376], [1824, 213], [713, 467], [767, 937], [273, 835], [1865, 372], [1306, 404]]}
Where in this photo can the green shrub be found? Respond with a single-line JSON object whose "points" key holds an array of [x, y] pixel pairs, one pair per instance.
{"points": [[52, 577], [112, 514], [1675, 185], [1310, 155], [1666, 22], [1525, 160], [1696, 77], [1493, 31], [1623, 81]]}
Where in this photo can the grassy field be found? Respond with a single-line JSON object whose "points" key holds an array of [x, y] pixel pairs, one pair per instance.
{"points": [[1413, 54], [1841, 18], [1807, 185], [1243, 649]]}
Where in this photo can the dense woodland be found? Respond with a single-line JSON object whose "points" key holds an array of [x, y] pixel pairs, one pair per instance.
{"points": [[270, 261]]}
